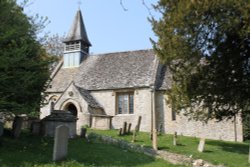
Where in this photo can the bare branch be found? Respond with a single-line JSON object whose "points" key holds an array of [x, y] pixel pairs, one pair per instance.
{"points": [[122, 5], [147, 7]]}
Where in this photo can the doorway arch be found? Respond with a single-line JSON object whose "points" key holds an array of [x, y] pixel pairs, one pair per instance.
{"points": [[71, 108]]}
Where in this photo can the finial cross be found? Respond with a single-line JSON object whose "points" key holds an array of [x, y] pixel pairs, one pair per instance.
{"points": [[79, 3]]}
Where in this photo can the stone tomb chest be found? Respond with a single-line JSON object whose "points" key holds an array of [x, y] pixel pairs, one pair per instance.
{"points": [[57, 118]]}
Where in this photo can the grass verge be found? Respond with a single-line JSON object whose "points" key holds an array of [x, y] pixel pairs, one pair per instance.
{"points": [[34, 151], [230, 154]]}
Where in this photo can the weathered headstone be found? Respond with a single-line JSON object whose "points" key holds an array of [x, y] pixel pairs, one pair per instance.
{"points": [[36, 127], [201, 146], [120, 132], [137, 128], [129, 128], [154, 141], [134, 134], [61, 143], [1, 128], [175, 139], [124, 128], [249, 155], [17, 126], [83, 133], [138, 124]]}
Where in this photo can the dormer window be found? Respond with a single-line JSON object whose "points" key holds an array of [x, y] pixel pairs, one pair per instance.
{"points": [[73, 46]]}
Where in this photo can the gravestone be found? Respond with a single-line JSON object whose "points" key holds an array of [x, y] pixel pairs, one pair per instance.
{"points": [[175, 139], [249, 155], [120, 132], [83, 133], [154, 141], [1, 128], [36, 127], [201, 146], [17, 126], [129, 128], [61, 143], [138, 124], [137, 128], [124, 128], [134, 134]]}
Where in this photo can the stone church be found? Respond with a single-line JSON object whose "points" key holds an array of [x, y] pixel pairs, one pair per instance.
{"points": [[105, 90]]}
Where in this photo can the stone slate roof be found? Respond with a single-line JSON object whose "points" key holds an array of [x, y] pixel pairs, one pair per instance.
{"points": [[133, 69], [88, 98], [163, 78], [78, 31], [62, 79]]}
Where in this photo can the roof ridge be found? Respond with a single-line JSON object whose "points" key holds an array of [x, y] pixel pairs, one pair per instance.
{"points": [[119, 52]]}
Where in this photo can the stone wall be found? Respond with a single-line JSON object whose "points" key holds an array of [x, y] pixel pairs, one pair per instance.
{"points": [[46, 109], [225, 130], [142, 107], [101, 122]]}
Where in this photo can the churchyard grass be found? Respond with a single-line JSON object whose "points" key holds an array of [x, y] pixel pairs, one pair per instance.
{"points": [[30, 151], [231, 154]]}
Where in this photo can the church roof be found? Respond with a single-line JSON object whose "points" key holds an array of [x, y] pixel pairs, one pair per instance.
{"points": [[61, 80], [132, 69], [88, 98], [78, 31]]}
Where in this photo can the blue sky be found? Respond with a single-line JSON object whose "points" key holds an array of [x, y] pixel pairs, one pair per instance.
{"points": [[109, 27]]}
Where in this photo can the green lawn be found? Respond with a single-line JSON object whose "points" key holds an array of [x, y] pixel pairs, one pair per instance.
{"points": [[29, 151], [231, 154]]}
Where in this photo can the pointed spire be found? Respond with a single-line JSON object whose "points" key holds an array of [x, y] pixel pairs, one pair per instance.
{"points": [[78, 31]]}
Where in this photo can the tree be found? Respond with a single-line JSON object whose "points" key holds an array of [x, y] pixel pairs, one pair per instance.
{"points": [[23, 62], [207, 47], [54, 47]]}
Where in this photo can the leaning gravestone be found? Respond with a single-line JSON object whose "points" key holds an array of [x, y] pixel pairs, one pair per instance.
{"points": [[137, 128], [61, 143], [120, 132], [124, 129], [201, 146], [138, 124], [129, 128]]}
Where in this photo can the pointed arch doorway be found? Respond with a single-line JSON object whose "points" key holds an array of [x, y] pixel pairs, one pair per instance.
{"points": [[71, 108]]}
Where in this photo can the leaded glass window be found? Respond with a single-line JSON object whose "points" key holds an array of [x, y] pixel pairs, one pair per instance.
{"points": [[125, 103]]}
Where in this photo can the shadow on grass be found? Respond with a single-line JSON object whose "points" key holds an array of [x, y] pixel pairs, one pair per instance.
{"points": [[33, 150], [239, 148], [163, 148], [208, 151]]}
